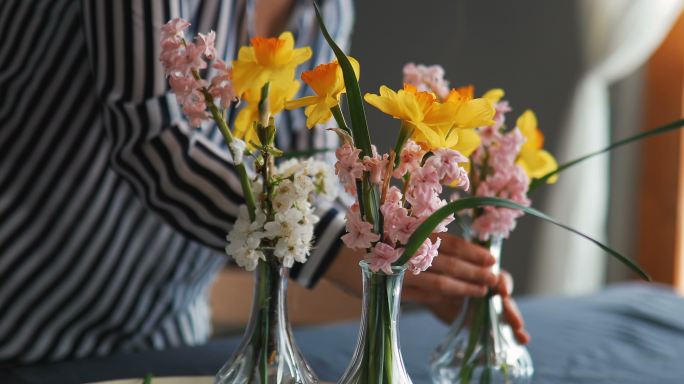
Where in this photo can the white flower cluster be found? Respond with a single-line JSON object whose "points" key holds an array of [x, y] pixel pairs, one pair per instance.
{"points": [[288, 235]]}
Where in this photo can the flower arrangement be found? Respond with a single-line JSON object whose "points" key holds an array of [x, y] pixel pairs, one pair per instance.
{"points": [[278, 216], [481, 346], [275, 226], [446, 138], [392, 223]]}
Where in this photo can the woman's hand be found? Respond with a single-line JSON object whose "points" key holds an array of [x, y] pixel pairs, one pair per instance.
{"points": [[461, 270]]}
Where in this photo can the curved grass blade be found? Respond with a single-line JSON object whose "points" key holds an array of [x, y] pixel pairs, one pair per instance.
{"points": [[426, 228], [642, 135], [359, 125]]}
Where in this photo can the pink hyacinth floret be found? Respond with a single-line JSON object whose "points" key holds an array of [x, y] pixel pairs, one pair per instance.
{"points": [[221, 85], [427, 79], [360, 233], [422, 260], [447, 164], [376, 166], [173, 29], [410, 158], [348, 167], [382, 256]]}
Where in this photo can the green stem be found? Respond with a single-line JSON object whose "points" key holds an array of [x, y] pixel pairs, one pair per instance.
{"points": [[264, 298], [485, 376], [405, 133], [387, 325], [228, 137], [376, 337], [473, 338], [339, 119]]}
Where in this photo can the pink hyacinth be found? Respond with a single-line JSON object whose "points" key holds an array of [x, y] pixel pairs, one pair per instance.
{"points": [[208, 41], [382, 256], [495, 222], [173, 28], [446, 163], [221, 85], [422, 260], [409, 159], [504, 180], [195, 109], [399, 225], [424, 202], [360, 233], [183, 86], [348, 167], [427, 78], [376, 166]]}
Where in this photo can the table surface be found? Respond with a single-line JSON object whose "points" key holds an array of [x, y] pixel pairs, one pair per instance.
{"points": [[628, 334]]}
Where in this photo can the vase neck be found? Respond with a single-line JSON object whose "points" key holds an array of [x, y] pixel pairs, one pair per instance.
{"points": [[377, 358], [494, 245], [270, 296], [380, 286]]}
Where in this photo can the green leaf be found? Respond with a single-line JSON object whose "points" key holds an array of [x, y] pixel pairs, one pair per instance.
{"points": [[426, 228], [356, 111], [642, 135], [359, 125], [147, 379]]}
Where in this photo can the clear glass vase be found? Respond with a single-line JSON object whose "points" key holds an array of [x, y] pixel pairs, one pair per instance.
{"points": [[268, 353], [377, 358], [480, 347]]}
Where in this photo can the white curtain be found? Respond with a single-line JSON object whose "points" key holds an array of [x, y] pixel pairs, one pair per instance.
{"points": [[617, 36]]}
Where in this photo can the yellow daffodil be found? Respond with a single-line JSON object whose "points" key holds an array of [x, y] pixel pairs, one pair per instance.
{"points": [[471, 113], [445, 124], [327, 82], [533, 159], [267, 60], [278, 94], [420, 109]]}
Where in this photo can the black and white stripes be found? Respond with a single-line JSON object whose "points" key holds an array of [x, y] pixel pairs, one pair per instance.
{"points": [[113, 212]]}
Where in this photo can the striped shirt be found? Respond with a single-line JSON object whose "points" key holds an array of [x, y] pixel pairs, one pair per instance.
{"points": [[113, 211]]}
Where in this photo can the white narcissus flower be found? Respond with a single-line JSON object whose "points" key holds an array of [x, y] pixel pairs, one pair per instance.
{"points": [[245, 238], [292, 229], [284, 196]]}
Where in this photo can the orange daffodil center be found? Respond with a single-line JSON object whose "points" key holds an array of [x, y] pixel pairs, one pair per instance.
{"points": [[533, 158], [447, 124], [327, 82]]}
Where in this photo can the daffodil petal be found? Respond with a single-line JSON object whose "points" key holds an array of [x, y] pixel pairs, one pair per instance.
{"points": [[468, 141], [475, 113], [494, 95], [302, 102]]}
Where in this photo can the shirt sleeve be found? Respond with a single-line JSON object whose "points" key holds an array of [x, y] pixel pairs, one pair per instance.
{"points": [[186, 175]]}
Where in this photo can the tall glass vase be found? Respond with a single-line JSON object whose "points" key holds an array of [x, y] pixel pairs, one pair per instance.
{"points": [[481, 347], [268, 353], [377, 358]]}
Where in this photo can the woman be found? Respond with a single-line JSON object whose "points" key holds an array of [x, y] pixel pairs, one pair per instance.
{"points": [[113, 211]]}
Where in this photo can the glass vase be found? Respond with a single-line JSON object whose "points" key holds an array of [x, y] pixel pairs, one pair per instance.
{"points": [[377, 358], [268, 353], [481, 347]]}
